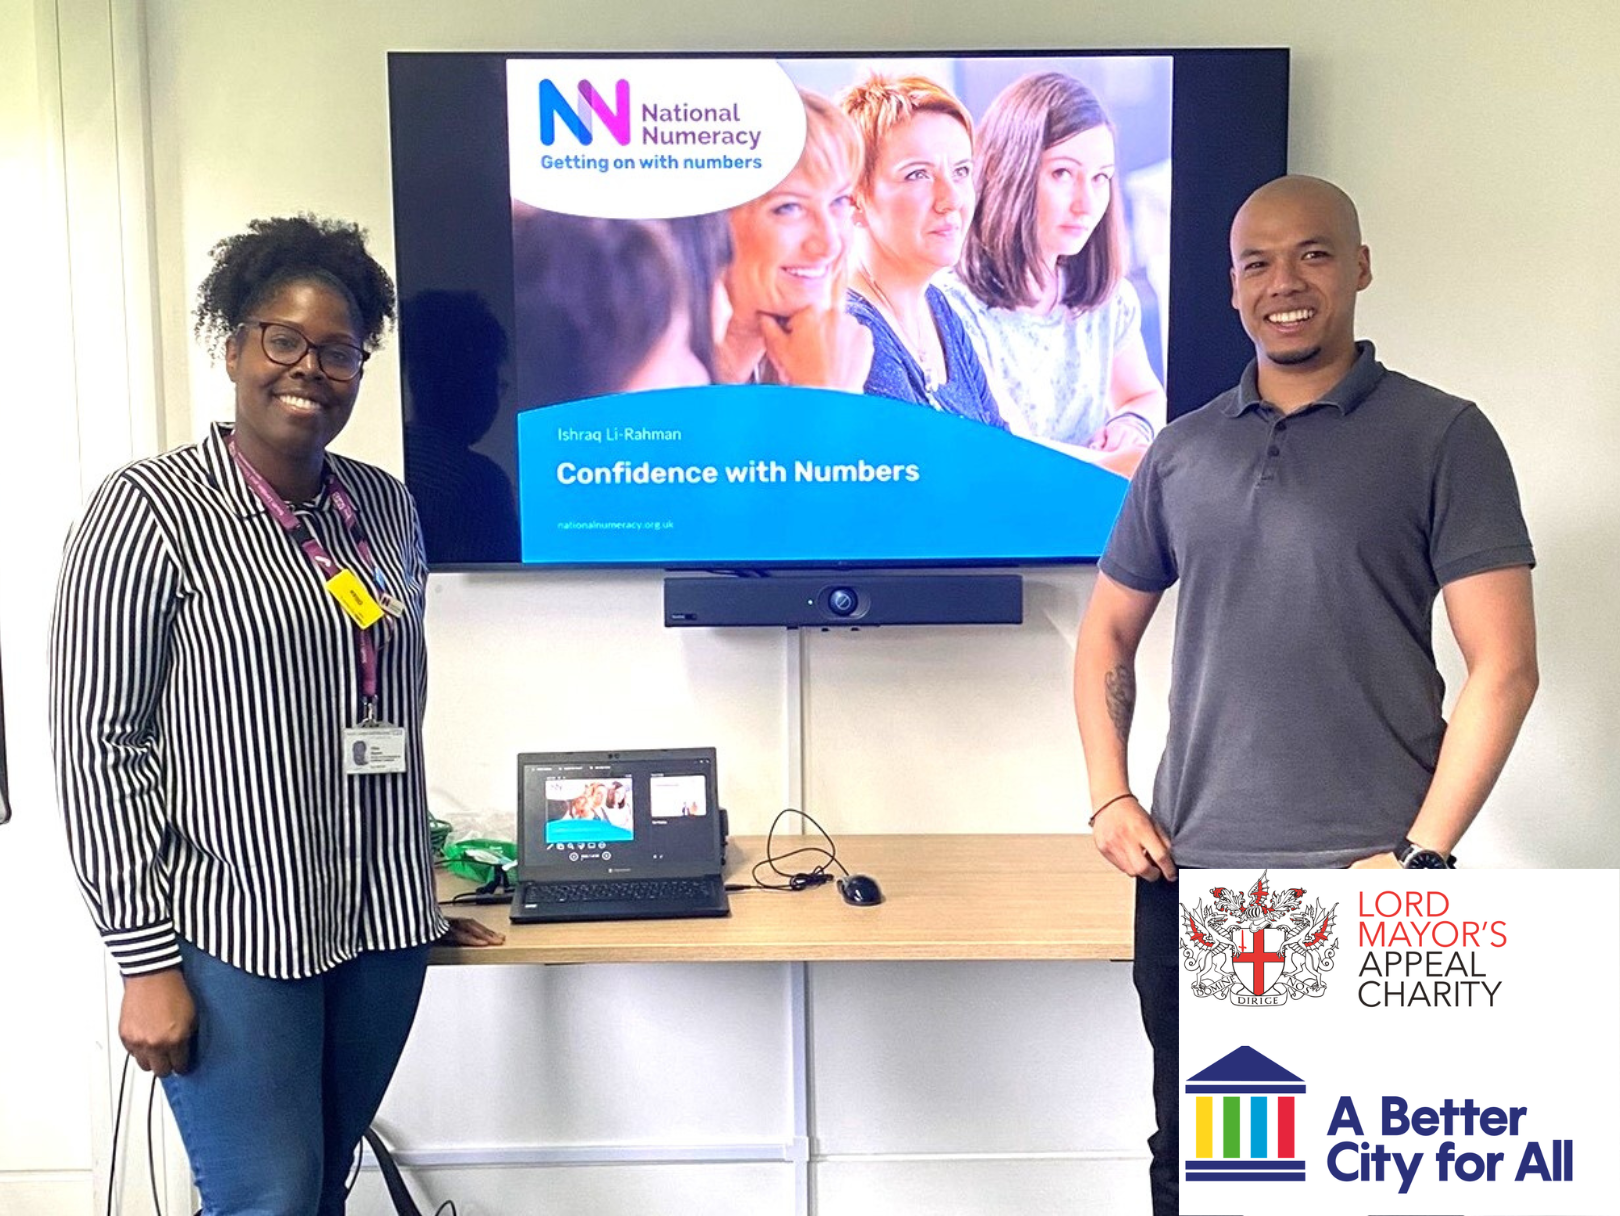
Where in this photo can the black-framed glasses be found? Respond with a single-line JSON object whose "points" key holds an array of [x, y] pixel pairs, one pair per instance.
{"points": [[285, 345]]}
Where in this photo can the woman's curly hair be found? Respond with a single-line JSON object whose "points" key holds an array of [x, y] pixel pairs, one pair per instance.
{"points": [[251, 265]]}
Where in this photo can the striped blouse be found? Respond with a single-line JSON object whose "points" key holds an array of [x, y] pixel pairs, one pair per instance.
{"points": [[201, 681]]}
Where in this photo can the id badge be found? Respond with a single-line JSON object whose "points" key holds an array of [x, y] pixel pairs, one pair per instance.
{"points": [[351, 593], [372, 751]]}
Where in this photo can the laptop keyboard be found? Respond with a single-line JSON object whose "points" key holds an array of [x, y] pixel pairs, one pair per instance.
{"points": [[691, 890]]}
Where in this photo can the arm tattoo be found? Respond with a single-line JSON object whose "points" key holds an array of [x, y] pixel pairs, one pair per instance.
{"points": [[1120, 688]]}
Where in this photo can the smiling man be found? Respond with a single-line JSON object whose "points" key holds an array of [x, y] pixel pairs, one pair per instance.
{"points": [[1311, 515]]}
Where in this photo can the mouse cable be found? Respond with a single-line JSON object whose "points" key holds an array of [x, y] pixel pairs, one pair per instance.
{"points": [[476, 898], [354, 1170], [796, 880], [151, 1158], [118, 1119]]}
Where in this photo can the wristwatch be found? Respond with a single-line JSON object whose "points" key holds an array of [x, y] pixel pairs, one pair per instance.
{"points": [[1416, 857]]}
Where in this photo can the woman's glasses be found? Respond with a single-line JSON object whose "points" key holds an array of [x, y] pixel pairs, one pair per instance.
{"points": [[285, 345]]}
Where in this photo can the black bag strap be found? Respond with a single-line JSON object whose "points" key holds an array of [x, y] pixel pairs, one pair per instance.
{"points": [[404, 1205]]}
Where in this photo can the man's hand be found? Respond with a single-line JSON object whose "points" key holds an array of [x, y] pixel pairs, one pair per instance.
{"points": [[464, 931], [1132, 843], [1378, 861], [819, 348], [156, 1021]]}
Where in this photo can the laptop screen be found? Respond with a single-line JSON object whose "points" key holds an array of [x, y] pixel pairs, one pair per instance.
{"points": [[618, 814]]}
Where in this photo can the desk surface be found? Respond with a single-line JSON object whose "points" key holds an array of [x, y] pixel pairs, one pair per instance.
{"points": [[951, 897]]}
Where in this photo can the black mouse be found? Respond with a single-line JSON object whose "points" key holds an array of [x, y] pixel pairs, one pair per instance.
{"points": [[861, 890]]}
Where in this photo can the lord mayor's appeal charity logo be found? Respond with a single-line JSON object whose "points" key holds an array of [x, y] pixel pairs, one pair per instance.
{"points": [[1259, 947]]}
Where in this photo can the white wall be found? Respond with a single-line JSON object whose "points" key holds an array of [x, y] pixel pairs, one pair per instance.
{"points": [[1475, 137], [72, 324]]}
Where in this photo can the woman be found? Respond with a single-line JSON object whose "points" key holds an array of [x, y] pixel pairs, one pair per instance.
{"points": [[786, 280], [235, 620], [1040, 282], [913, 202]]}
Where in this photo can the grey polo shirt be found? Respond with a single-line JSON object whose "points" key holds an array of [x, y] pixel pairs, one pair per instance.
{"points": [[1304, 702]]}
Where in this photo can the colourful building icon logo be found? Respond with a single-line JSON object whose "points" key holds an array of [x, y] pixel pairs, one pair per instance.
{"points": [[1243, 1121]]}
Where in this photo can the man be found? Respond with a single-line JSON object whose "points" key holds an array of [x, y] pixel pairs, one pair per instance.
{"points": [[1311, 515]]}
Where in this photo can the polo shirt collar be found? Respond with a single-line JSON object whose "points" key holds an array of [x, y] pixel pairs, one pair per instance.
{"points": [[1348, 393], [228, 479]]}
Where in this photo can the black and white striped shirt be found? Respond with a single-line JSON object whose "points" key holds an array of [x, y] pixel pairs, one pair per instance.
{"points": [[201, 681]]}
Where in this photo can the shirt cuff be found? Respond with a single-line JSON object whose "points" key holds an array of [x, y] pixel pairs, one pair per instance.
{"points": [[143, 951], [1129, 578], [1504, 557]]}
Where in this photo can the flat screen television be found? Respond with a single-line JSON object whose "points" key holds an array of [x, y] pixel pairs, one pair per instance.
{"points": [[743, 312]]}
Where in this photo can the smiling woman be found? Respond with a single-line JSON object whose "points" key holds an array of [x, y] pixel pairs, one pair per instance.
{"points": [[237, 684], [789, 267]]}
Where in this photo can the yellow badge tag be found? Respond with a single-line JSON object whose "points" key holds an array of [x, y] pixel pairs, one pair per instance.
{"points": [[356, 600]]}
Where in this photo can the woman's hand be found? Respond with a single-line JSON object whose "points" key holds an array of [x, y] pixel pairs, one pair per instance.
{"points": [[157, 1020], [738, 352], [464, 931], [1121, 431], [1120, 443], [819, 348]]}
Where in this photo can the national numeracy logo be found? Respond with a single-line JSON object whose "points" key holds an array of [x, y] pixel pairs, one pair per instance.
{"points": [[1258, 948], [578, 116]]}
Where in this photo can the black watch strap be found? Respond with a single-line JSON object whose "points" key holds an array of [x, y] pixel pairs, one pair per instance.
{"points": [[1416, 857]]}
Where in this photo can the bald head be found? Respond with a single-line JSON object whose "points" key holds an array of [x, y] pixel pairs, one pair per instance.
{"points": [[1299, 194]]}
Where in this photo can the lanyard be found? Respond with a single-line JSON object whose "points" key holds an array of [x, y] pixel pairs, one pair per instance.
{"points": [[330, 571]]}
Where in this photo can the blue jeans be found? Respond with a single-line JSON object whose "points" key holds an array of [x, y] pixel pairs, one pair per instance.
{"points": [[286, 1076]]}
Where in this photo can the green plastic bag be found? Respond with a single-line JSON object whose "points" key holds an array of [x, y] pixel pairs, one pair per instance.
{"points": [[478, 858]]}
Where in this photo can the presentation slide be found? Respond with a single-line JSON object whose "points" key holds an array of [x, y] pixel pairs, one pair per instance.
{"points": [[679, 797], [818, 310]]}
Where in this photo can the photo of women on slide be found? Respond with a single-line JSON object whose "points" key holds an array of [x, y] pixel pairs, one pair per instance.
{"points": [[790, 265], [1040, 283], [913, 202], [604, 801]]}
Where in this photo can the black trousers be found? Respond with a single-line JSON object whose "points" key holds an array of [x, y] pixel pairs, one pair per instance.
{"points": [[1156, 971]]}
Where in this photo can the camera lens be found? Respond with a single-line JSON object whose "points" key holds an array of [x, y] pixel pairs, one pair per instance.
{"points": [[841, 601]]}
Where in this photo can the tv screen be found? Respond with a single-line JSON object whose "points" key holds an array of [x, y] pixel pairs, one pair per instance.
{"points": [[739, 311]]}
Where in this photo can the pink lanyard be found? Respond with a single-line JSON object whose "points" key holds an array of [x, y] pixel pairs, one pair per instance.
{"points": [[323, 561]]}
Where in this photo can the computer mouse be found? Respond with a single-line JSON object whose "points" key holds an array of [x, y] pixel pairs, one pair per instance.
{"points": [[861, 890]]}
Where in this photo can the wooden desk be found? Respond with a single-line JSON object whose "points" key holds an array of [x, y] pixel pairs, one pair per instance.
{"points": [[949, 897]]}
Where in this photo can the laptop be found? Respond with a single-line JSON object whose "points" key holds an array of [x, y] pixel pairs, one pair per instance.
{"points": [[619, 835]]}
